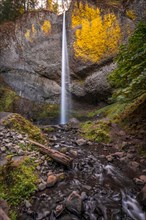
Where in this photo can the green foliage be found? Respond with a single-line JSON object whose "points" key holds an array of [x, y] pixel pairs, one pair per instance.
{"points": [[7, 98], [96, 131], [47, 111], [13, 215], [17, 182], [11, 9], [130, 76], [111, 112], [132, 107]]}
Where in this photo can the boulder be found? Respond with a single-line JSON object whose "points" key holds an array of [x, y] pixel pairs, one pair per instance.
{"points": [[81, 142], [51, 180], [33, 87], [73, 123], [143, 178], [96, 85], [142, 197], [74, 203]]}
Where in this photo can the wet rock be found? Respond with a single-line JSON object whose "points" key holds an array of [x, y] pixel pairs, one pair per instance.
{"points": [[102, 157], [3, 149], [73, 123], [124, 159], [138, 181], [41, 216], [63, 150], [17, 160], [109, 158], [74, 203], [42, 186], [20, 136], [59, 209], [83, 196], [27, 204], [54, 138], [142, 197], [69, 217], [130, 156], [60, 177], [144, 171], [89, 143], [96, 85], [57, 146], [20, 152], [45, 163], [38, 167], [51, 180], [81, 142], [134, 166], [87, 187], [74, 152], [143, 178], [119, 154]]}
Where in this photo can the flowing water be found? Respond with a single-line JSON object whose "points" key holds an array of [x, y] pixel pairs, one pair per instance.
{"points": [[65, 78], [105, 191]]}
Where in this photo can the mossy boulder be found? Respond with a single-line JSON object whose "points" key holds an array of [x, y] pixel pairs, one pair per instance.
{"points": [[7, 97], [17, 183], [130, 115], [98, 131], [22, 125]]}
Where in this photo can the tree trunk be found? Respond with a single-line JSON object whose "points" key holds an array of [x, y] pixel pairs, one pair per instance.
{"points": [[54, 154]]}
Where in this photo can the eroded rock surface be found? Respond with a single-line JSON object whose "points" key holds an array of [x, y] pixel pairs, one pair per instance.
{"points": [[31, 49]]}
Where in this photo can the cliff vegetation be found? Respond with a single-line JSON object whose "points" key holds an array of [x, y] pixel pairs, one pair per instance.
{"points": [[97, 35]]}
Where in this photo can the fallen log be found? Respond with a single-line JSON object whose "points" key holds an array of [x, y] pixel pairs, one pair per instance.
{"points": [[54, 154]]}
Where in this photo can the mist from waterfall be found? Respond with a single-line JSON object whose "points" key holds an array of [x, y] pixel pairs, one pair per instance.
{"points": [[65, 78]]}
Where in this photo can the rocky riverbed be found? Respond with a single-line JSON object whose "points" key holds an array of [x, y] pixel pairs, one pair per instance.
{"points": [[103, 183]]}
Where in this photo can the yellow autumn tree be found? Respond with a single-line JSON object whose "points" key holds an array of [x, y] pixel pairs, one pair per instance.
{"points": [[96, 36]]}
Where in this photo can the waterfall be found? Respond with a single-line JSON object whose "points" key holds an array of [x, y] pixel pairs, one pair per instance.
{"points": [[65, 79]]}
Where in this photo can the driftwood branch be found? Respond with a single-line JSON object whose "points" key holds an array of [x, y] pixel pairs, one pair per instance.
{"points": [[54, 154]]}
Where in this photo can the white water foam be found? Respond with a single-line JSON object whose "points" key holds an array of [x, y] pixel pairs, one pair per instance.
{"points": [[129, 203]]}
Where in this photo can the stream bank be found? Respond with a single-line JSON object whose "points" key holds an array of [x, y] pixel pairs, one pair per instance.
{"points": [[103, 182]]}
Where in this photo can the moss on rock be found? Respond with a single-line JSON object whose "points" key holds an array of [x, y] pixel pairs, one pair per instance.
{"points": [[7, 97], [22, 125], [11, 102], [96, 131], [17, 183]]}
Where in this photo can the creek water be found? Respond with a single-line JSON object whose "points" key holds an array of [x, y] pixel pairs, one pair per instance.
{"points": [[106, 192], [65, 78]]}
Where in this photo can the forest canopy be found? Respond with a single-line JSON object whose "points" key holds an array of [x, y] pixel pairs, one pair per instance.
{"points": [[11, 9]]}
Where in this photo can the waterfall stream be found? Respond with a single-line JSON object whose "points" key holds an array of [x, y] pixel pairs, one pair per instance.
{"points": [[102, 190], [65, 79]]}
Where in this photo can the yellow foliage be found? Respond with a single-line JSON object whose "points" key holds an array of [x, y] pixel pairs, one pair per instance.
{"points": [[46, 27], [96, 36], [33, 29], [131, 14], [28, 35]]}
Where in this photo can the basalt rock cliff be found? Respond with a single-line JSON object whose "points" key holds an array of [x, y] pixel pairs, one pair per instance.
{"points": [[30, 48]]}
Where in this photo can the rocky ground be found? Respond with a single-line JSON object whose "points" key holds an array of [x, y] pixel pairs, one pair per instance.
{"points": [[104, 181]]}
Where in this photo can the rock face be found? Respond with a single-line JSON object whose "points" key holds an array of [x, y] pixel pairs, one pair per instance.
{"points": [[32, 86], [31, 49], [95, 85], [31, 55]]}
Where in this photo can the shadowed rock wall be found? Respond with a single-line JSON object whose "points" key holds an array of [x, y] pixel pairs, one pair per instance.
{"points": [[30, 48]]}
